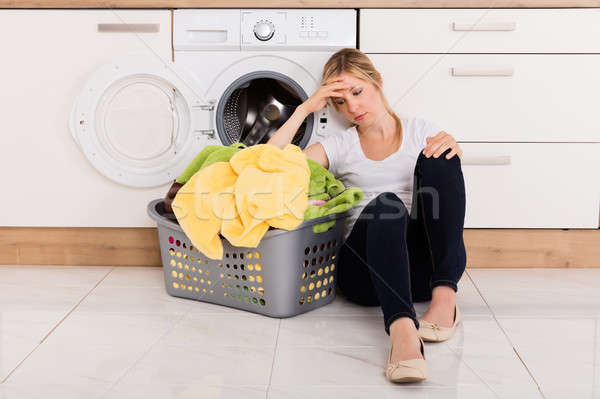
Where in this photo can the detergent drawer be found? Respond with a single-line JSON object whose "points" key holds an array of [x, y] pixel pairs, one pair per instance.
{"points": [[497, 97], [531, 185]]}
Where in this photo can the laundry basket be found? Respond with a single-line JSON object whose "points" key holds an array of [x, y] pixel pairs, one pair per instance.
{"points": [[289, 273]]}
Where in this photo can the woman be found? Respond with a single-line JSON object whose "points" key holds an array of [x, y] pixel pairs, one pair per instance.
{"points": [[404, 242]]}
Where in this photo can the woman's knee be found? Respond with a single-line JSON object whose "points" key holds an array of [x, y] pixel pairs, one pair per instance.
{"points": [[440, 167], [386, 206]]}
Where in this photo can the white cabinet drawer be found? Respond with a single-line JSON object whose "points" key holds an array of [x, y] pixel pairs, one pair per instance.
{"points": [[480, 31], [534, 185], [548, 98]]}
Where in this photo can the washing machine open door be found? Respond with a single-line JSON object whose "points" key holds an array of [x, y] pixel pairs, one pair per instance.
{"points": [[140, 120]]}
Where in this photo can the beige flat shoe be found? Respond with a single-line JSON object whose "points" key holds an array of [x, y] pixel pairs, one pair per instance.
{"points": [[431, 332], [412, 370]]}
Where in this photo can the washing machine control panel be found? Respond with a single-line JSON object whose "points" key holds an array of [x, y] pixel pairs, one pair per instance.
{"points": [[291, 30], [264, 30]]}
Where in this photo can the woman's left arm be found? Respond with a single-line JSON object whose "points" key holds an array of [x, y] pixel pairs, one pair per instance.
{"points": [[439, 143]]}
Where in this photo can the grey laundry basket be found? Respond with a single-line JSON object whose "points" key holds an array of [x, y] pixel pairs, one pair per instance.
{"points": [[289, 273]]}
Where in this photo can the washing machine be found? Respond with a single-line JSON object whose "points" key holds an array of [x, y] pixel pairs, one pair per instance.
{"points": [[237, 75]]}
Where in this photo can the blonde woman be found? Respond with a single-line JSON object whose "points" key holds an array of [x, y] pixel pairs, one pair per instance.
{"points": [[404, 242]]}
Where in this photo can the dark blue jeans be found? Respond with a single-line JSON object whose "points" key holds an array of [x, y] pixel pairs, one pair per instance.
{"points": [[393, 259]]}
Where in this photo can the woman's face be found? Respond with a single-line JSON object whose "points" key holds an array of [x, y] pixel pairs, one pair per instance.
{"points": [[361, 104]]}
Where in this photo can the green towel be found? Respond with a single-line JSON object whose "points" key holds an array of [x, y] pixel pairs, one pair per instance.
{"points": [[322, 181], [341, 203], [322, 196], [209, 155]]}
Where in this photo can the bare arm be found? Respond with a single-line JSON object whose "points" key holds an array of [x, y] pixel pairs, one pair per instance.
{"points": [[317, 153], [284, 135]]}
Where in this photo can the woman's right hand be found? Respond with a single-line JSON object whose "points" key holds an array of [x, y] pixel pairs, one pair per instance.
{"points": [[319, 99]]}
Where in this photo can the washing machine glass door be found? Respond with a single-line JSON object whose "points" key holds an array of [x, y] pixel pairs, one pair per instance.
{"points": [[135, 120]]}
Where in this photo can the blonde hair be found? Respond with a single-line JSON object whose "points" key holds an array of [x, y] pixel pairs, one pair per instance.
{"points": [[357, 63]]}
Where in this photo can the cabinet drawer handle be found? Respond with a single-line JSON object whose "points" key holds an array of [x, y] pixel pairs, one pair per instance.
{"points": [[488, 27], [129, 28], [482, 71], [486, 160]]}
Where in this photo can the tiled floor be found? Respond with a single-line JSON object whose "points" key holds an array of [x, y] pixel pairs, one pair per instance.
{"points": [[102, 332]]}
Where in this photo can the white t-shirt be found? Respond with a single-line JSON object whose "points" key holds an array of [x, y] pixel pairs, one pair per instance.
{"points": [[348, 163]]}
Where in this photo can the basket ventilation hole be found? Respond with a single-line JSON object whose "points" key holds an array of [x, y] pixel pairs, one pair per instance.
{"points": [[306, 251], [171, 240], [178, 243]]}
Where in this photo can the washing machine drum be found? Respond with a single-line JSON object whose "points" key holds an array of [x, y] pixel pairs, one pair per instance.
{"points": [[255, 110]]}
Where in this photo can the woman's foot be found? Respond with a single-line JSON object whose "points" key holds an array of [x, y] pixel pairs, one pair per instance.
{"points": [[441, 308], [405, 340]]}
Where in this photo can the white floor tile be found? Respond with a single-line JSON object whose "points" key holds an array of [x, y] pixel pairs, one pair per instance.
{"points": [[342, 366], [212, 365], [130, 338], [56, 276], [20, 333], [113, 299], [34, 390], [76, 364], [558, 352], [131, 329], [562, 293], [409, 391], [29, 312], [199, 331], [135, 277], [185, 391], [333, 331]]}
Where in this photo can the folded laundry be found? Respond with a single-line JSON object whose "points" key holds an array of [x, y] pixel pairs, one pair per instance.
{"points": [[261, 186]]}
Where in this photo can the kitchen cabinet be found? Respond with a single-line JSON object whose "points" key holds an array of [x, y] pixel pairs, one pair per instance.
{"points": [[517, 88], [48, 55]]}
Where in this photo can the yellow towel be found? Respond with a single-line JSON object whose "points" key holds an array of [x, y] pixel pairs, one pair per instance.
{"points": [[261, 186]]}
